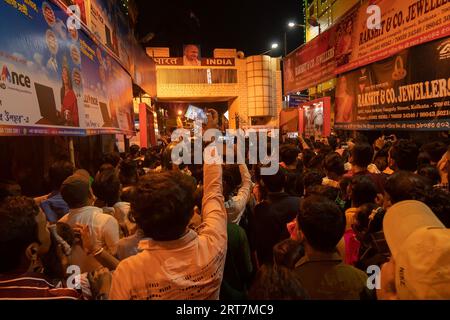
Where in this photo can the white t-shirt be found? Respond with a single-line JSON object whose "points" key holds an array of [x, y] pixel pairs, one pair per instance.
{"points": [[104, 226]]}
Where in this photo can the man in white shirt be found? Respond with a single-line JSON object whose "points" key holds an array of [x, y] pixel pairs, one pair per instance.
{"points": [[76, 192]]}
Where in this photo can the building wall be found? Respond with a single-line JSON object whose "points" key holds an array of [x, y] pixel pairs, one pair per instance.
{"points": [[257, 91], [327, 12]]}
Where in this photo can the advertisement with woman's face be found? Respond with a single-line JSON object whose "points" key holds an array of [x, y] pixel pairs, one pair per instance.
{"points": [[43, 52]]}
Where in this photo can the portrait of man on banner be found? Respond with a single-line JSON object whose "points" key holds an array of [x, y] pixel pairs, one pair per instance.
{"points": [[191, 55]]}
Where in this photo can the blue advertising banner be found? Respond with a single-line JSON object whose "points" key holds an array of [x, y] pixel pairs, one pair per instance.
{"points": [[51, 76]]}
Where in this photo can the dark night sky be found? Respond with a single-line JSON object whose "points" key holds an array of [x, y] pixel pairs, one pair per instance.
{"points": [[247, 25]]}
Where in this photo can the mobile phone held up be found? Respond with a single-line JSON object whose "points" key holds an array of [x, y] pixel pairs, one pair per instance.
{"points": [[194, 113]]}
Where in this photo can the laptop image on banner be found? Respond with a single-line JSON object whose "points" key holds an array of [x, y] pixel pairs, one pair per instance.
{"points": [[105, 114], [47, 105]]}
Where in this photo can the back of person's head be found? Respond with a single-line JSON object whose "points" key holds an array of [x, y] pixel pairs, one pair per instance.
{"points": [[58, 172], [362, 154], [439, 202], [405, 185], [430, 172], [276, 283], [162, 204], [434, 150], [363, 217], [289, 154], [128, 173], [9, 188], [403, 155], [112, 158], [274, 182], [363, 190], [106, 167], [287, 252], [324, 191], [307, 155], [316, 163], [423, 159], [134, 150], [106, 186], [361, 139], [321, 222], [333, 142], [312, 178], [18, 229], [325, 149], [333, 163], [75, 190], [231, 178]]}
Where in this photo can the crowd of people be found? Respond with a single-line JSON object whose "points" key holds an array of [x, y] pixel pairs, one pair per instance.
{"points": [[142, 227]]}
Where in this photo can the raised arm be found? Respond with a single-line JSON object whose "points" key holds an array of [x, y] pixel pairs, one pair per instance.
{"points": [[243, 195], [213, 208]]}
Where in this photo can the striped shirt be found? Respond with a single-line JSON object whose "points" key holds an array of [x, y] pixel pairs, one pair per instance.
{"points": [[33, 286]]}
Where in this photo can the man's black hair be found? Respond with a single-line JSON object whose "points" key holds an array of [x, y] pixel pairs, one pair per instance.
{"points": [[312, 178], [18, 229], [128, 172], [333, 163], [162, 204], [113, 158], [430, 172], [106, 186], [364, 190], [289, 154], [275, 182], [362, 154], [276, 283], [134, 150], [231, 177], [322, 223], [404, 185], [405, 153]]}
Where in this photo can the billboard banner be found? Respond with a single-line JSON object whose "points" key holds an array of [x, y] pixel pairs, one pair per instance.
{"points": [[398, 93], [350, 43], [403, 24], [107, 91], [311, 64], [42, 76]]}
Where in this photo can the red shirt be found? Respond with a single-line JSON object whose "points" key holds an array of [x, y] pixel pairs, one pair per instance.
{"points": [[70, 104], [33, 286]]}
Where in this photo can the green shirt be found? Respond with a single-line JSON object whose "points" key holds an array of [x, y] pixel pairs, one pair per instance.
{"points": [[326, 277]]}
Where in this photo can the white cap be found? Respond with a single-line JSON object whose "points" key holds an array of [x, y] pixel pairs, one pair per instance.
{"points": [[420, 246]]}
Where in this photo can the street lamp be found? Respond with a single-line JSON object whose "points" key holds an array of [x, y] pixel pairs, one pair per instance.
{"points": [[291, 25], [273, 46]]}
